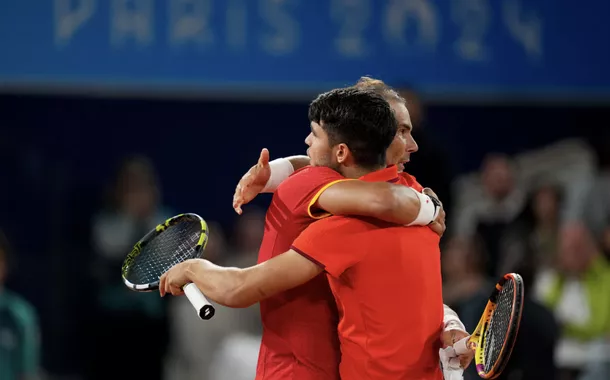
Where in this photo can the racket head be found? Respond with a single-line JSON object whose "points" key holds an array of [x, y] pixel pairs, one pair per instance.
{"points": [[496, 333], [178, 239]]}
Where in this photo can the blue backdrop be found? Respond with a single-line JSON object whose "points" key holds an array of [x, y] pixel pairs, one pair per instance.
{"points": [[550, 47]]}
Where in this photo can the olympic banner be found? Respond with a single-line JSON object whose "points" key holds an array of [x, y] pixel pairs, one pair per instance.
{"points": [[544, 47]]}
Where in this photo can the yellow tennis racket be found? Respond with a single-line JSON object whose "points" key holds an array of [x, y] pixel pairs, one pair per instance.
{"points": [[494, 338], [180, 238]]}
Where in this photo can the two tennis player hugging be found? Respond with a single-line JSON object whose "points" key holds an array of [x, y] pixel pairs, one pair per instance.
{"points": [[348, 275]]}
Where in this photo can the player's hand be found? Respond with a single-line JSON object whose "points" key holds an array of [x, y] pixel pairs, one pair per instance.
{"points": [[450, 337], [438, 225], [253, 182], [174, 279]]}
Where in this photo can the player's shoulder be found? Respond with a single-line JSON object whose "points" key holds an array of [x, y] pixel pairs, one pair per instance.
{"points": [[347, 224], [410, 181], [315, 171], [311, 176]]}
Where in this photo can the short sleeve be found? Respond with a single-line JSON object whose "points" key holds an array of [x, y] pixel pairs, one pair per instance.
{"points": [[335, 243], [301, 190]]}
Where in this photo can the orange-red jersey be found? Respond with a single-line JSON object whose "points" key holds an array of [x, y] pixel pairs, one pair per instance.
{"points": [[410, 181], [300, 340], [386, 281]]}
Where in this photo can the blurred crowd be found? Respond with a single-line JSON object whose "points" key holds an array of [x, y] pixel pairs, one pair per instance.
{"points": [[544, 214]]}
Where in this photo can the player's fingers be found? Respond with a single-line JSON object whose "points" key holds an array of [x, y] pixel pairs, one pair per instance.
{"points": [[239, 189], [465, 360], [447, 338], [429, 192], [438, 228], [162, 285], [176, 291], [264, 157], [237, 197]]}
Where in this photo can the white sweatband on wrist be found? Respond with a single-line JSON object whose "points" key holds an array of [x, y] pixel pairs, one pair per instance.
{"points": [[427, 210], [451, 321], [281, 168]]}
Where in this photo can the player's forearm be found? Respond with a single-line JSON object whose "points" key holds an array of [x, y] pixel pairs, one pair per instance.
{"points": [[220, 284], [391, 203], [409, 207], [400, 204], [281, 169]]}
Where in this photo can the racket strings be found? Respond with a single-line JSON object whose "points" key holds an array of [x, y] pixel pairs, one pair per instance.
{"points": [[499, 324], [173, 246]]}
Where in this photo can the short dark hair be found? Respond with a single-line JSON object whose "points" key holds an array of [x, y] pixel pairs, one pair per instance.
{"points": [[380, 87], [361, 119]]}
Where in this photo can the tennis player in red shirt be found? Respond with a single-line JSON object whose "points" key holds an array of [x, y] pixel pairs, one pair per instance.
{"points": [[366, 115], [337, 199], [294, 345], [289, 342], [387, 285]]}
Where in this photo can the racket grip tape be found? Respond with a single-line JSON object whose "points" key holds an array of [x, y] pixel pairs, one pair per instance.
{"points": [[205, 309]]}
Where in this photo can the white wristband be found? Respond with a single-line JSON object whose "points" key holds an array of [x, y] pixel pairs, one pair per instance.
{"points": [[281, 168], [427, 210]]}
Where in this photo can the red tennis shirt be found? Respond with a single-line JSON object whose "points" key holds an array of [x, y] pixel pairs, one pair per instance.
{"points": [[300, 340], [386, 281]]}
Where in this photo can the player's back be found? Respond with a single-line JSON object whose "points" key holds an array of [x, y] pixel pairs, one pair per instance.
{"points": [[300, 325], [390, 302]]}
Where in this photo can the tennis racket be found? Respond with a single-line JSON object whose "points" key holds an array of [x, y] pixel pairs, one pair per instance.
{"points": [[180, 238], [495, 335]]}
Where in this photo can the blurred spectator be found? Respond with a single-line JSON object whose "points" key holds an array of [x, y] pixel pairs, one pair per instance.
{"points": [[597, 208], [535, 233], [490, 215], [193, 343], [577, 291], [133, 211], [227, 346], [605, 241], [463, 266], [248, 235], [431, 165], [19, 330], [237, 356]]}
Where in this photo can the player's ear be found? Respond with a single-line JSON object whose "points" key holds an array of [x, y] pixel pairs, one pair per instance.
{"points": [[342, 153]]}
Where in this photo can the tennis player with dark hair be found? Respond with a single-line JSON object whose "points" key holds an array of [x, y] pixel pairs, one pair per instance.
{"points": [[340, 199], [300, 336]]}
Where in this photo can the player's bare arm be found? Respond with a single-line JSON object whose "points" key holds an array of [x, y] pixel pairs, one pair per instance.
{"points": [[258, 178], [384, 201], [239, 288]]}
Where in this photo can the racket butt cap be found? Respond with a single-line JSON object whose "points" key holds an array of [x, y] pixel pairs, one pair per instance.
{"points": [[207, 312]]}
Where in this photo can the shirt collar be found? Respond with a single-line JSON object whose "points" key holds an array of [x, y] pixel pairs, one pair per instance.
{"points": [[389, 174]]}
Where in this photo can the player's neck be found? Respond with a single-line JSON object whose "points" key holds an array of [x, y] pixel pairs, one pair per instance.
{"points": [[357, 171]]}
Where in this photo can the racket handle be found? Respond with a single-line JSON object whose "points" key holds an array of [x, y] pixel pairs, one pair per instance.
{"points": [[205, 310]]}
